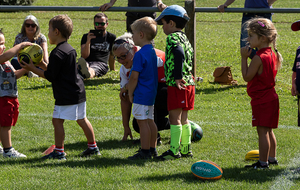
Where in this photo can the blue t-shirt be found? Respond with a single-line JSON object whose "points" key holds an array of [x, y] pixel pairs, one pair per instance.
{"points": [[145, 62], [256, 4]]}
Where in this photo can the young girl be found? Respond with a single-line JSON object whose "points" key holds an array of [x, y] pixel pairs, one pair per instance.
{"points": [[9, 103], [260, 75]]}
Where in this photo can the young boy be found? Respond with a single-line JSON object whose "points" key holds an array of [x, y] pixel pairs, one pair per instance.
{"points": [[68, 87], [142, 86], [9, 103], [296, 72], [181, 86]]}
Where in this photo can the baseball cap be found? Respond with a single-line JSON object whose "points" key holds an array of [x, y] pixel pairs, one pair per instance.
{"points": [[174, 10], [296, 26]]}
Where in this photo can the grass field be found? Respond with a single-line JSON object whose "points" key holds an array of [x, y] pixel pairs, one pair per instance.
{"points": [[223, 112]]}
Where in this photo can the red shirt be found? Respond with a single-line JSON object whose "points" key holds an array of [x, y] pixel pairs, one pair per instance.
{"points": [[261, 87]]}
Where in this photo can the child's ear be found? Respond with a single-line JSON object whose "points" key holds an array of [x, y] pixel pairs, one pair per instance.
{"points": [[141, 34]]}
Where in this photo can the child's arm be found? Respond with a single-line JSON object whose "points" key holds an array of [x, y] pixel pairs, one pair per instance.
{"points": [[132, 84], [250, 71], [294, 86], [13, 51], [179, 58]]}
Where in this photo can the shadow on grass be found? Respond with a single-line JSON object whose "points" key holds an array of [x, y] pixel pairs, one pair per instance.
{"points": [[99, 81], [213, 90], [251, 175]]}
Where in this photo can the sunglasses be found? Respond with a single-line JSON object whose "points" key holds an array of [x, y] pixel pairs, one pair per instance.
{"points": [[122, 57], [100, 23], [28, 25]]}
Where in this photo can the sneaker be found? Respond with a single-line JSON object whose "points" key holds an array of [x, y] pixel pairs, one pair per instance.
{"points": [[90, 152], [32, 75], [55, 155], [169, 155], [189, 154], [140, 155], [83, 67], [1, 150], [158, 142], [12, 153], [273, 163], [257, 165]]}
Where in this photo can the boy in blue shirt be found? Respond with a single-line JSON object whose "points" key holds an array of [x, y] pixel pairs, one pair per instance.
{"points": [[142, 86]]}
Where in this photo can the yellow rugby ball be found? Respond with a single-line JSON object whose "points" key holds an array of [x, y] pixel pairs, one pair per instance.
{"points": [[33, 52], [252, 155]]}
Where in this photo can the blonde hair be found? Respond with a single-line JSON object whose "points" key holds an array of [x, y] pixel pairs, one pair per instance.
{"points": [[265, 27], [147, 25]]}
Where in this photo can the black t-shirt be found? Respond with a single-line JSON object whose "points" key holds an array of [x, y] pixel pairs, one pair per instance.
{"points": [[68, 87], [100, 47]]}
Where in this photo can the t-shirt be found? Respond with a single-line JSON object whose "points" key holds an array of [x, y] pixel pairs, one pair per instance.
{"points": [[100, 47], [256, 4], [173, 40], [68, 87], [261, 88], [8, 81], [145, 62], [296, 68]]}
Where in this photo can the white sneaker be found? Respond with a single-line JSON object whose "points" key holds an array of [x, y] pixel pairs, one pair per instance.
{"points": [[83, 67], [1, 150], [12, 153], [32, 75]]}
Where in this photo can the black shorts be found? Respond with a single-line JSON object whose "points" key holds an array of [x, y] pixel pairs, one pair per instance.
{"points": [[100, 68]]}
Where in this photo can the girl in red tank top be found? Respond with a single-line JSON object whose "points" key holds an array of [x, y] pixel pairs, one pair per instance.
{"points": [[260, 75]]}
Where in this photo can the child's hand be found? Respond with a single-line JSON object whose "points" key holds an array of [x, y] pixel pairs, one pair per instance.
{"points": [[24, 44], [245, 52], [180, 84], [28, 66]]}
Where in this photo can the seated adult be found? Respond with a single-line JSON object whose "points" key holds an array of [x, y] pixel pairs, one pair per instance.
{"points": [[31, 32], [124, 50], [96, 49]]}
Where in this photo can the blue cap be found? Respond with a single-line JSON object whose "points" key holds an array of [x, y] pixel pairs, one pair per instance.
{"points": [[174, 10]]}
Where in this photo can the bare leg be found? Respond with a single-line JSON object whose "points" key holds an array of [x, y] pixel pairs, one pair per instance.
{"points": [[6, 136], [264, 143], [87, 129], [59, 132]]}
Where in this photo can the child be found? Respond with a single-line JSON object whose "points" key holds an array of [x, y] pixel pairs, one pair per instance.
{"points": [[296, 72], [260, 75], [180, 81], [9, 103], [142, 86], [68, 87]]}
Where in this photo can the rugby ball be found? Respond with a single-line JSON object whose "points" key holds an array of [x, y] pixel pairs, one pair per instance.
{"points": [[205, 169], [252, 155], [33, 52], [197, 132]]}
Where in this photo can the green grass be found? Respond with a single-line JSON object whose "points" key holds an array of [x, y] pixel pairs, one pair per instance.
{"points": [[223, 112]]}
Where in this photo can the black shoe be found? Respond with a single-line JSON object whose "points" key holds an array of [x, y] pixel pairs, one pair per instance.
{"points": [[55, 155], [273, 163], [140, 155], [90, 152], [154, 154], [169, 155], [189, 154], [257, 165]]}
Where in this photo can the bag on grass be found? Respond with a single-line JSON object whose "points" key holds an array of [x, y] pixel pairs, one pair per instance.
{"points": [[223, 76]]}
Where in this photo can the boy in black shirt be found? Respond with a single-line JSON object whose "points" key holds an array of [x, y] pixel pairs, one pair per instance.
{"points": [[68, 87]]}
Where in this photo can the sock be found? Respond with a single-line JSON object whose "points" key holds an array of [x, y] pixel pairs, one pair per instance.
{"points": [[175, 138], [59, 150], [272, 159], [92, 145], [6, 150], [186, 139], [152, 149], [263, 163]]}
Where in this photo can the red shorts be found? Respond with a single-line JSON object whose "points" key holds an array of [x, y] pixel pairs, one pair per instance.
{"points": [[9, 111], [266, 115], [181, 98]]}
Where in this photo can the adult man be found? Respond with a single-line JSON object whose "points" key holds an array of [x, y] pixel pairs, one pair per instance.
{"points": [[132, 16], [96, 49]]}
